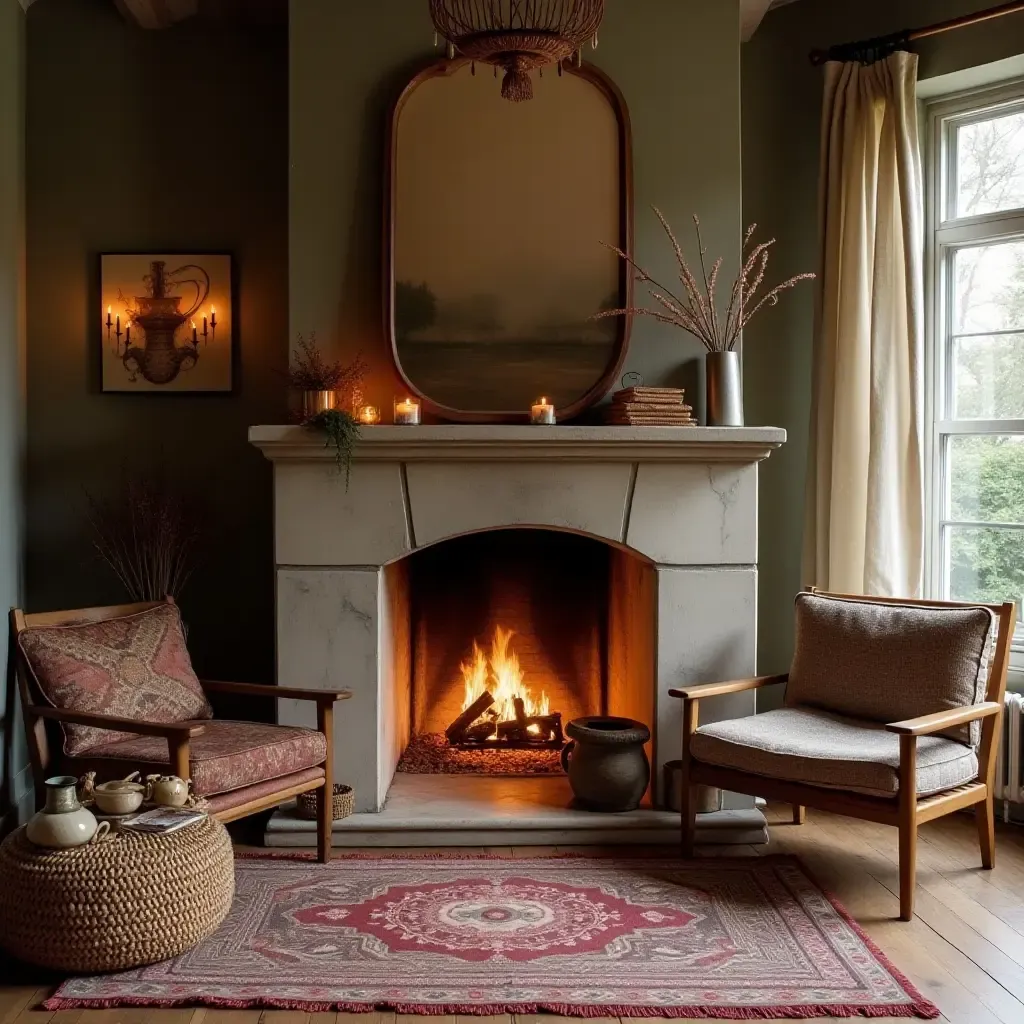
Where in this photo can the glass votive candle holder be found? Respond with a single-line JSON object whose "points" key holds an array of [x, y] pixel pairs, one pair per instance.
{"points": [[407, 412], [542, 412], [368, 414]]}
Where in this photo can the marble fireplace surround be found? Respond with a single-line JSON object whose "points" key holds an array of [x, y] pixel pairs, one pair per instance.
{"points": [[683, 500]]}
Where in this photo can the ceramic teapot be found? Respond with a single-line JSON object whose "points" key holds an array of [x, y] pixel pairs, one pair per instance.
{"points": [[167, 790]]}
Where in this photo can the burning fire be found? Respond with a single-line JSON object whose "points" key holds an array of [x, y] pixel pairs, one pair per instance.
{"points": [[501, 675]]}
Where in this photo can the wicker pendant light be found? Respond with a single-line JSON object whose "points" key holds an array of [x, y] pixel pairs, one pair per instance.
{"points": [[517, 35]]}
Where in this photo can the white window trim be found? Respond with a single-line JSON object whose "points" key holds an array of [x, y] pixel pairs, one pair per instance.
{"points": [[943, 230]]}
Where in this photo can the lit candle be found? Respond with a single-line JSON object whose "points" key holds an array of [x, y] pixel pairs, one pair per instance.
{"points": [[110, 323], [213, 317], [127, 332], [542, 411], [407, 412], [369, 414], [194, 333], [118, 329], [204, 326]]}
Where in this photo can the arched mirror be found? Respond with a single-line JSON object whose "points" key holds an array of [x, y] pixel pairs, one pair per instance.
{"points": [[494, 266]]}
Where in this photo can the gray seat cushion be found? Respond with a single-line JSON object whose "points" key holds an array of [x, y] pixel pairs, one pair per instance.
{"points": [[889, 662], [823, 749]]}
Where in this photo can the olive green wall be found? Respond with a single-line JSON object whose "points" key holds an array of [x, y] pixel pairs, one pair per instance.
{"points": [[143, 141], [677, 64], [781, 114], [13, 778]]}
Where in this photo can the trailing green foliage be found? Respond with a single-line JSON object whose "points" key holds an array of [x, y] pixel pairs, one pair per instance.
{"points": [[342, 433]]}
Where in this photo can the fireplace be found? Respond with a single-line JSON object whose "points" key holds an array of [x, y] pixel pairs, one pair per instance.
{"points": [[510, 635], [616, 562]]}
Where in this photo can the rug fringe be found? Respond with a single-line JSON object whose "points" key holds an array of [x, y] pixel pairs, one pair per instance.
{"points": [[923, 1010]]}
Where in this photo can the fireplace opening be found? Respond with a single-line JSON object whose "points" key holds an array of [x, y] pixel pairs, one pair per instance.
{"points": [[512, 634]]}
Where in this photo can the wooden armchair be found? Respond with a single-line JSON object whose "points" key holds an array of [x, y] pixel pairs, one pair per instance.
{"points": [[846, 751], [239, 768]]}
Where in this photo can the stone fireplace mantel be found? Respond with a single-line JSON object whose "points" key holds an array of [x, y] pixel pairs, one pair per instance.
{"points": [[485, 443], [677, 504]]}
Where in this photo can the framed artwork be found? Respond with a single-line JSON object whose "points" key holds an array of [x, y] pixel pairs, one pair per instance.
{"points": [[167, 322]]}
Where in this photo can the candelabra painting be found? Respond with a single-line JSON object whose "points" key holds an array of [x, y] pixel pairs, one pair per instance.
{"points": [[166, 322]]}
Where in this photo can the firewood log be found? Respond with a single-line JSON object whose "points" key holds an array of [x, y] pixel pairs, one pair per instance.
{"points": [[457, 729], [520, 706], [510, 731], [480, 732]]}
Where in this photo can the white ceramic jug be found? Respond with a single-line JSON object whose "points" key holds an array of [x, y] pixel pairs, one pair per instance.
{"points": [[63, 821]]}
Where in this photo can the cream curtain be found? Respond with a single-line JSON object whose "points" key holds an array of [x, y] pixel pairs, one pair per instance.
{"points": [[864, 530]]}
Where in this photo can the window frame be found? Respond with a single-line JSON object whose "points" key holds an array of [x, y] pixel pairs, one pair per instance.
{"points": [[945, 233]]}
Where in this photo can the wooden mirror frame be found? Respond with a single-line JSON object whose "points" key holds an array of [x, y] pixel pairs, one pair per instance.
{"points": [[615, 99]]}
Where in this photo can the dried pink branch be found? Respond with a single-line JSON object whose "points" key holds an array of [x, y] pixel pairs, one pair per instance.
{"points": [[697, 311]]}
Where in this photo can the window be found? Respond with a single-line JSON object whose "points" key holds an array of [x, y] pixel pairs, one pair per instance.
{"points": [[975, 351]]}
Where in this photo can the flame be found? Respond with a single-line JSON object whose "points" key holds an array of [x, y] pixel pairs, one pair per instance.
{"points": [[501, 674]]}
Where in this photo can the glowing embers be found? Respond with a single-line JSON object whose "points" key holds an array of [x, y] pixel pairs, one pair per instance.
{"points": [[499, 710]]}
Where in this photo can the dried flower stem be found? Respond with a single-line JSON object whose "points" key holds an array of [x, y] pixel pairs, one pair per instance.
{"points": [[147, 536], [310, 371], [697, 311]]}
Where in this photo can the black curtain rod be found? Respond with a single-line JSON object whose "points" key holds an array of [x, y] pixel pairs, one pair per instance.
{"points": [[867, 51]]}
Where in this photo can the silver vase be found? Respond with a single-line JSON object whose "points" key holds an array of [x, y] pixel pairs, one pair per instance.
{"points": [[724, 389]]}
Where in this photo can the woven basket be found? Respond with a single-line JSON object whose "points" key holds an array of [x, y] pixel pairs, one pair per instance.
{"points": [[110, 905], [344, 802]]}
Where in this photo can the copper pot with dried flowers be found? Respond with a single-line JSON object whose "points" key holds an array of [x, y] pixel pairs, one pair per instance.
{"points": [[696, 312], [323, 387]]}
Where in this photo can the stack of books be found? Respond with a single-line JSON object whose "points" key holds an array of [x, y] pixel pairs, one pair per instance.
{"points": [[650, 407]]}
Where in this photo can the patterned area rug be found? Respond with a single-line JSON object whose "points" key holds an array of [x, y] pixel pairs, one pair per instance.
{"points": [[737, 939]]}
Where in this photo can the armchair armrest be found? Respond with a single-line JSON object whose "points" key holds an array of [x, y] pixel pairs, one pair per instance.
{"points": [[170, 730], [275, 692], [940, 720], [699, 690]]}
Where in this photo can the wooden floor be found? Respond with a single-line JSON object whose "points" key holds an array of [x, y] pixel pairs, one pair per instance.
{"points": [[964, 950]]}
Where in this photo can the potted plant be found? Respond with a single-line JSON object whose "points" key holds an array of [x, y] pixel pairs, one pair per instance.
{"points": [[321, 385], [696, 311]]}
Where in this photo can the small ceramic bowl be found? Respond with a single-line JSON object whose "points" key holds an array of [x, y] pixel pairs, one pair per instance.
{"points": [[118, 797]]}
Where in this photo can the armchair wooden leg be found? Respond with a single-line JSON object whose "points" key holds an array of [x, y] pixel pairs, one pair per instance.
{"points": [[799, 814], [688, 792], [325, 796], [985, 816], [689, 818], [908, 825]]}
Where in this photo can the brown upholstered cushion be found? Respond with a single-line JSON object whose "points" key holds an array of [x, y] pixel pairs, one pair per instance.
{"points": [[220, 802], [136, 666], [225, 756], [822, 749], [889, 662]]}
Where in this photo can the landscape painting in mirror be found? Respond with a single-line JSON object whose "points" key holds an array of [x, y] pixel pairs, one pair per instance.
{"points": [[495, 262]]}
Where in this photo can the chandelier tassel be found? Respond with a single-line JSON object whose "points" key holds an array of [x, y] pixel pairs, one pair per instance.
{"points": [[516, 85]]}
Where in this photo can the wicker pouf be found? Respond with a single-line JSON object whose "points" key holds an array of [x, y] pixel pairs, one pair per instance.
{"points": [[110, 905]]}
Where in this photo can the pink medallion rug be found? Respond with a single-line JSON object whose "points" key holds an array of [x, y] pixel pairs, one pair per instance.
{"points": [[739, 939]]}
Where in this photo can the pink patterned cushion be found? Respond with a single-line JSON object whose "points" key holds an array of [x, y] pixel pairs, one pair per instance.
{"points": [[135, 667], [226, 755]]}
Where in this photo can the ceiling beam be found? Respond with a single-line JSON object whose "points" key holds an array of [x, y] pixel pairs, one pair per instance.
{"points": [[156, 13]]}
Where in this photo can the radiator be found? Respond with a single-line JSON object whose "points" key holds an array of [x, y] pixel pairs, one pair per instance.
{"points": [[1010, 765]]}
